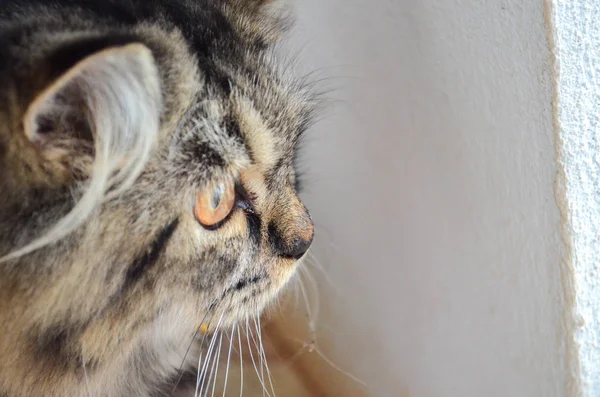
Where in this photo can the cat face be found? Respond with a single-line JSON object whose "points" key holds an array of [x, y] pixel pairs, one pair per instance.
{"points": [[148, 180]]}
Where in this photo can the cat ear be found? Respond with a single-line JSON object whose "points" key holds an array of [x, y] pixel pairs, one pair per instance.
{"points": [[97, 122], [101, 113], [261, 21]]}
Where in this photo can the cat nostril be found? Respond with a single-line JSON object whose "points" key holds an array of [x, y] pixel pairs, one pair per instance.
{"points": [[291, 247], [299, 247]]}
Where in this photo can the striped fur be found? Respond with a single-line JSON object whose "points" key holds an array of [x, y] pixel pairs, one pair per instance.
{"points": [[113, 116]]}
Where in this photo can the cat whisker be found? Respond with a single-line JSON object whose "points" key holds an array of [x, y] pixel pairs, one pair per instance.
{"points": [[200, 362], [337, 368], [202, 369], [297, 354], [277, 303], [202, 373], [248, 333], [313, 314], [228, 361], [263, 358], [314, 262], [241, 360], [309, 310], [296, 290], [187, 351], [251, 338], [262, 364], [262, 351], [232, 340], [215, 365], [312, 347], [204, 381]]}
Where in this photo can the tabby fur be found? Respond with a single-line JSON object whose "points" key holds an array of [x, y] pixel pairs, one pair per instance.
{"points": [[114, 114]]}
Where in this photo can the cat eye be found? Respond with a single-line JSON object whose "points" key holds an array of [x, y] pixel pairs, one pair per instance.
{"points": [[213, 204]]}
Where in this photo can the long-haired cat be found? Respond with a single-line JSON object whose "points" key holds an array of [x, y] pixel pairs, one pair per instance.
{"points": [[147, 183]]}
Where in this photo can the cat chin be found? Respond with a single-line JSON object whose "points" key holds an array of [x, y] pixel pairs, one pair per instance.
{"points": [[245, 298]]}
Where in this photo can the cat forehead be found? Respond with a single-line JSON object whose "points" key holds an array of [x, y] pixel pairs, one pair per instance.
{"points": [[267, 121], [271, 119], [232, 135], [248, 110], [269, 145], [269, 104], [223, 136]]}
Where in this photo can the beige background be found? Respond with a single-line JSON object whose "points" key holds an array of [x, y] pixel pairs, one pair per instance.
{"points": [[431, 181]]}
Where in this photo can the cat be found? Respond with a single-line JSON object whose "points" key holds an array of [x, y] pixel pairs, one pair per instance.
{"points": [[147, 186]]}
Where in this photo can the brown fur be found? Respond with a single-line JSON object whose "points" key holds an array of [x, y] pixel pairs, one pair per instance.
{"points": [[110, 309]]}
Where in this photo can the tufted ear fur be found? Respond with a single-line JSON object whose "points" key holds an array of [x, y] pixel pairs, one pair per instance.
{"points": [[96, 123], [261, 21]]}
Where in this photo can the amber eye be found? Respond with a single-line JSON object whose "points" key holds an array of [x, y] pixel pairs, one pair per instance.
{"points": [[213, 204]]}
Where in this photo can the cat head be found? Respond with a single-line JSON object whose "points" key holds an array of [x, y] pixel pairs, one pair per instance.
{"points": [[147, 171]]}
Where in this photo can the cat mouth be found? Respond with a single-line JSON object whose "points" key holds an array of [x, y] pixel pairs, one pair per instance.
{"points": [[249, 295], [245, 283]]}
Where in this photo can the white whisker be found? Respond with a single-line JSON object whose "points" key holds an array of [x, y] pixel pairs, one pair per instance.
{"points": [[315, 290], [262, 363], [202, 373], [200, 362], [334, 366], [210, 363], [201, 381], [296, 290], [262, 351], [314, 262], [217, 364], [311, 347], [252, 358], [228, 361], [241, 361], [314, 285], [180, 371], [309, 311]]}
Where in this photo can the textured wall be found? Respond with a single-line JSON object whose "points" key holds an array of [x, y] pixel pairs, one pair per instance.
{"points": [[577, 43], [431, 182]]}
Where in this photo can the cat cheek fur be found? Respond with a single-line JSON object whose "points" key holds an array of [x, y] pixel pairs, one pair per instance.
{"points": [[113, 116]]}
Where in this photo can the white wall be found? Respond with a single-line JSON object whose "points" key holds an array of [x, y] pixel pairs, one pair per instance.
{"points": [[577, 42], [431, 183]]}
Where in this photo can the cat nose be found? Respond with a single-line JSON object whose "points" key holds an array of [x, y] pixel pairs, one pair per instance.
{"points": [[294, 243], [299, 247]]}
